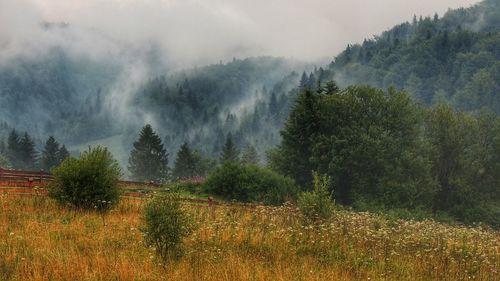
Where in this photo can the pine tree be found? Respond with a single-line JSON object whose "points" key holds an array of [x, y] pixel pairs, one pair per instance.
{"points": [[229, 151], [184, 163], [50, 157], [13, 148], [62, 154], [148, 159], [250, 155], [28, 154]]}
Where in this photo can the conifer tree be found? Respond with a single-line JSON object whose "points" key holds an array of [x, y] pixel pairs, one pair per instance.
{"points": [[50, 157], [148, 159], [13, 148], [27, 153], [229, 151], [185, 165], [250, 155], [62, 154]]}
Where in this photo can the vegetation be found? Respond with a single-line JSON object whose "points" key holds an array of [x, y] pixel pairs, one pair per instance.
{"points": [[234, 243], [89, 182], [166, 224], [383, 150], [52, 154], [229, 152], [317, 205], [189, 164], [148, 159], [454, 58], [248, 183]]}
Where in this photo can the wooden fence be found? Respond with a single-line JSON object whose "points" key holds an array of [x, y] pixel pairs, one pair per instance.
{"points": [[16, 178]]}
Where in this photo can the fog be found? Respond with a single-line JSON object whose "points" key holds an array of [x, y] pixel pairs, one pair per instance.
{"points": [[196, 32]]}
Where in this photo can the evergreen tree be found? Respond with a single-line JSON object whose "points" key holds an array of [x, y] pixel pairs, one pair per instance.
{"points": [[13, 148], [148, 159], [229, 151], [27, 153], [50, 157], [250, 155], [62, 154], [294, 153], [185, 165]]}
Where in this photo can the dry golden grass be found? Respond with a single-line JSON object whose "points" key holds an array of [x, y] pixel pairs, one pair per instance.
{"points": [[41, 241]]}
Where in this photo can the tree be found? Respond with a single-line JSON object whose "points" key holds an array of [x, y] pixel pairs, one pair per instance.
{"points": [[27, 153], [250, 155], [50, 154], [62, 154], [185, 166], [229, 151], [165, 225], [368, 141], [148, 159], [13, 149], [294, 152]]}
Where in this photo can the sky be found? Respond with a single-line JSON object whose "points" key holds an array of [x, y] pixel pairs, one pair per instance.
{"points": [[195, 32]]}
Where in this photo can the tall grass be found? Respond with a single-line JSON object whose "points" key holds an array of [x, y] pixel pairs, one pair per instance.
{"points": [[41, 241]]}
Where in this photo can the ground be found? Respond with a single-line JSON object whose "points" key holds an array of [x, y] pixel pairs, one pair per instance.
{"points": [[40, 240]]}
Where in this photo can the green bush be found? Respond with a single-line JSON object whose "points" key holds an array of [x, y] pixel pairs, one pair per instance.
{"points": [[166, 224], [317, 204], [248, 183], [89, 182]]}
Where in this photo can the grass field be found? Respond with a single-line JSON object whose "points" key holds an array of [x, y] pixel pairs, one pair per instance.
{"points": [[42, 241]]}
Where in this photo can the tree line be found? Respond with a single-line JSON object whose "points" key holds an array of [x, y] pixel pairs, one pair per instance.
{"points": [[19, 152], [148, 159], [385, 151]]}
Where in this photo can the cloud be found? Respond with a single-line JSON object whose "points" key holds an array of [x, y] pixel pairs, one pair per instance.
{"points": [[193, 32]]}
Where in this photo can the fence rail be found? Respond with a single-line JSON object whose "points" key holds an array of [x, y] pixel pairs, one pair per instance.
{"points": [[16, 178]]}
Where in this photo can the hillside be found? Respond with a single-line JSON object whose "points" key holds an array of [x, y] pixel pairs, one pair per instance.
{"points": [[454, 58]]}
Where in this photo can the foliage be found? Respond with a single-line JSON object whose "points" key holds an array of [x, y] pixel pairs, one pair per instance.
{"points": [[185, 165], [89, 182], [189, 164], [250, 155], [52, 154], [384, 152], [317, 204], [4, 162], [165, 224], [148, 159], [229, 152], [367, 140], [453, 58], [248, 183]]}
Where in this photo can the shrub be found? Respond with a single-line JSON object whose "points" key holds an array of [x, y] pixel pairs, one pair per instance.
{"points": [[248, 183], [166, 224], [317, 204], [89, 182]]}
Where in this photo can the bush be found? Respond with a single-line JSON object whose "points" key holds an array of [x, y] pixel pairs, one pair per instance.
{"points": [[90, 182], [317, 204], [249, 183], [166, 224]]}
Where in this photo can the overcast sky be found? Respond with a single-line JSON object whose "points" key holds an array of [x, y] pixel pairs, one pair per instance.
{"points": [[204, 31]]}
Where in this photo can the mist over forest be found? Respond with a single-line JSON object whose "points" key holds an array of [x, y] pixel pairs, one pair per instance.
{"points": [[87, 86]]}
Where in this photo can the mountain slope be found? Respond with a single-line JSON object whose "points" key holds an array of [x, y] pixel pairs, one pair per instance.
{"points": [[455, 58]]}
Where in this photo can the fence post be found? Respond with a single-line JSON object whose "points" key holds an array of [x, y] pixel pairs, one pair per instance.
{"points": [[41, 175]]}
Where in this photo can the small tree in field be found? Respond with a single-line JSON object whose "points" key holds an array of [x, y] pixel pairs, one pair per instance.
{"points": [[317, 204], [89, 182], [166, 224]]}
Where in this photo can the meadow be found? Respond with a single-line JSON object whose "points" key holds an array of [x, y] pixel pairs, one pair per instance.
{"points": [[40, 240]]}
